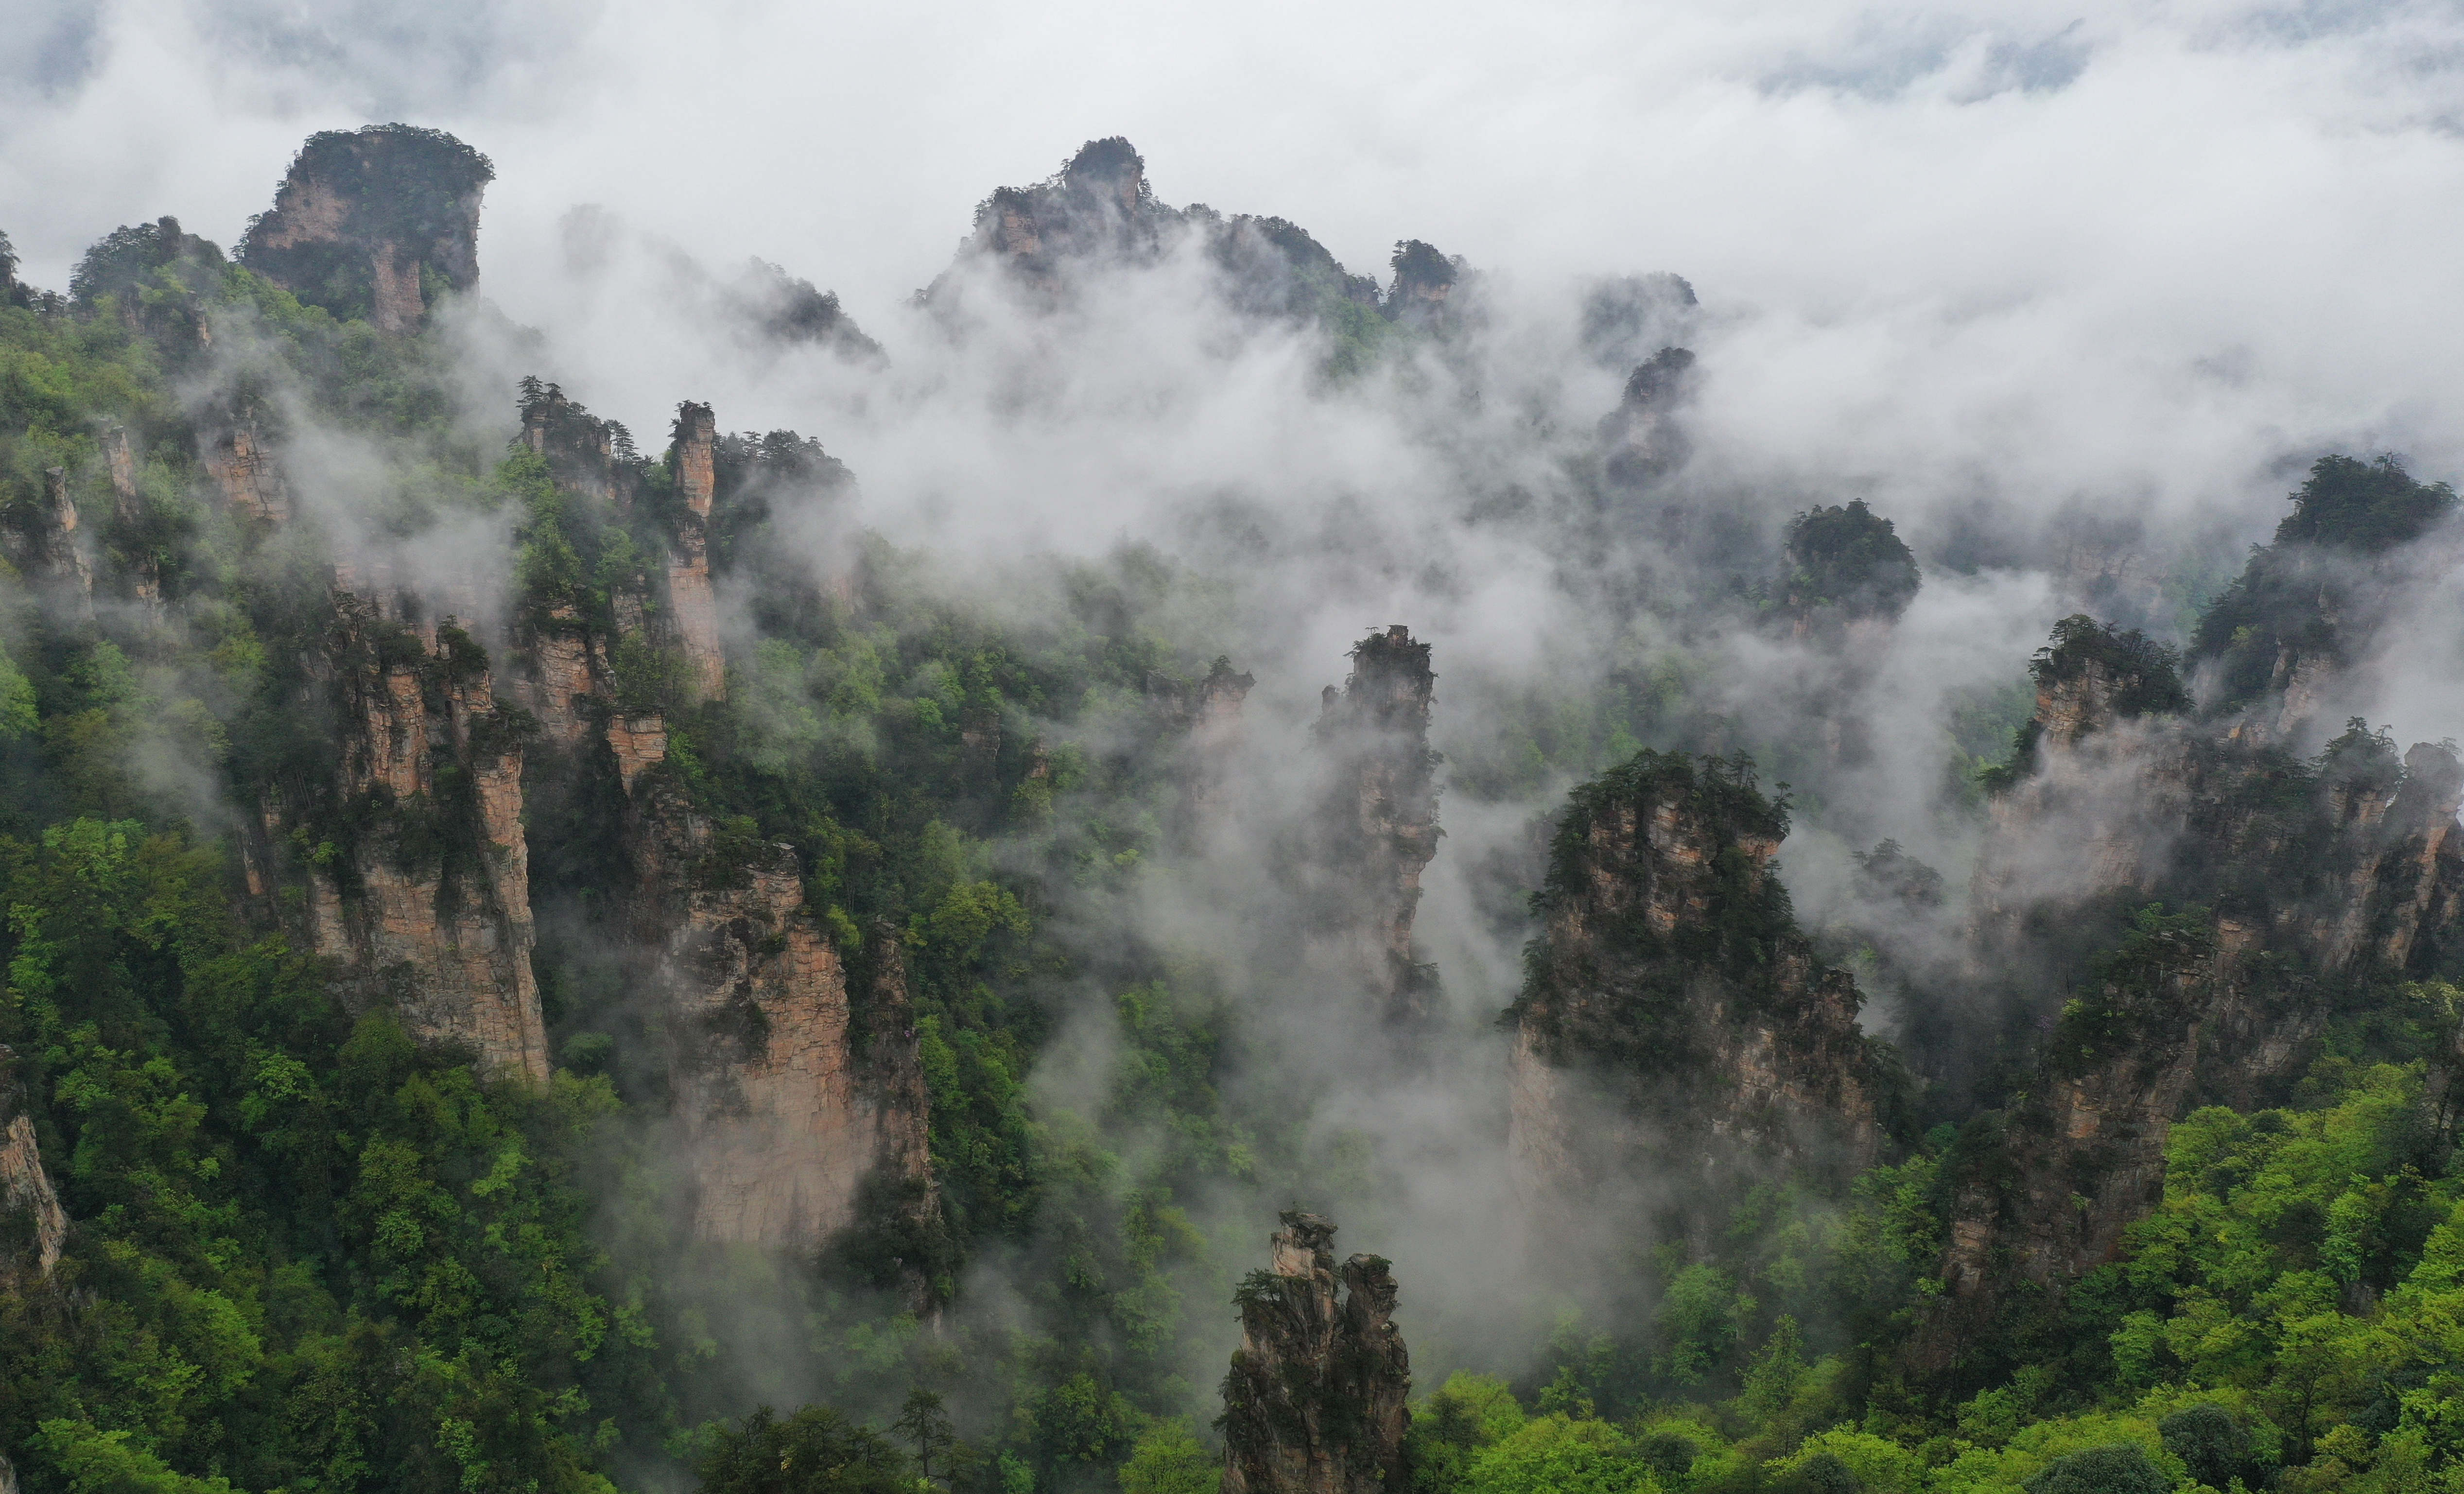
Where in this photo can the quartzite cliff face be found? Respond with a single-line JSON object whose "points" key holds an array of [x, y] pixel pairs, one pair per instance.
{"points": [[412, 847], [2278, 893], [1316, 1401], [371, 223], [1674, 1024], [1380, 827], [789, 1100]]}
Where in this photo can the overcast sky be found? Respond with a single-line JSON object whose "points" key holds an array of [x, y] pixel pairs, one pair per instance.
{"points": [[2100, 247]]}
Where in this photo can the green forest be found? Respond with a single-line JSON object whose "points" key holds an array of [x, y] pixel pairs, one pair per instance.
{"points": [[312, 1249]]}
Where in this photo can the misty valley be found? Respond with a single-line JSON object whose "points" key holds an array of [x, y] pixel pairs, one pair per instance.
{"points": [[1218, 875]]}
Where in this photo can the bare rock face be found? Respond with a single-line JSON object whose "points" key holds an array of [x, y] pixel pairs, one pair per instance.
{"points": [[1674, 1022], [369, 222], [142, 572], [1380, 827], [32, 1225], [2276, 889], [1424, 285], [425, 902], [44, 544], [791, 1110], [1316, 1400], [243, 468], [690, 605]]}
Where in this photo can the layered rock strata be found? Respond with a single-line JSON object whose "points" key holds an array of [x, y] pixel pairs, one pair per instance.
{"points": [[1674, 1024], [789, 1104], [1379, 826], [369, 222], [244, 470], [1317, 1400], [424, 903]]}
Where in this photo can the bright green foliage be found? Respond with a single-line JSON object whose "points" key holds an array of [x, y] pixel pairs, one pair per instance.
{"points": [[1557, 1455], [1453, 1426], [306, 1250], [1167, 1458]]}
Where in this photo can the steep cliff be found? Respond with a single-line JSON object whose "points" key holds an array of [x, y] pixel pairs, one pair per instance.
{"points": [[374, 223], [790, 1105], [236, 455], [1674, 1024], [691, 608], [1380, 826], [2275, 895], [801, 1100], [34, 1228], [43, 542], [1315, 1400], [2310, 604], [1644, 437], [412, 846], [1206, 714]]}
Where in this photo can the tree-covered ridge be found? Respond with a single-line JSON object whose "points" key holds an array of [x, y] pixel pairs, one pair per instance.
{"points": [[311, 1251]]}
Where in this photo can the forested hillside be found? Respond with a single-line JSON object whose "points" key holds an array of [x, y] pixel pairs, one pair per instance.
{"points": [[540, 956]]}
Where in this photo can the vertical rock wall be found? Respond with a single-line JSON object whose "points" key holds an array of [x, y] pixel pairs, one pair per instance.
{"points": [[1671, 985], [786, 1122], [365, 218], [1317, 1400], [1380, 827], [690, 605], [429, 908], [244, 469], [32, 1220]]}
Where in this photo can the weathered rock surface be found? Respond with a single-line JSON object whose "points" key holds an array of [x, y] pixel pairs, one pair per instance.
{"points": [[1380, 827], [1674, 1022], [243, 468], [1316, 1398], [690, 605], [370, 221], [789, 1109], [43, 544], [424, 902], [2277, 891], [34, 1228]]}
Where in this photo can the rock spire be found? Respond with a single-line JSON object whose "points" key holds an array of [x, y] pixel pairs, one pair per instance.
{"points": [[1315, 1401]]}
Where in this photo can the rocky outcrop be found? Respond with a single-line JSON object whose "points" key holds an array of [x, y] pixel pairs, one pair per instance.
{"points": [[1644, 437], [1379, 826], [243, 468], [1674, 1022], [789, 1105], [33, 1227], [422, 895], [142, 572], [690, 605], [369, 222], [797, 1087], [1424, 285], [1316, 1398], [2273, 892], [42, 540], [1098, 207]]}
